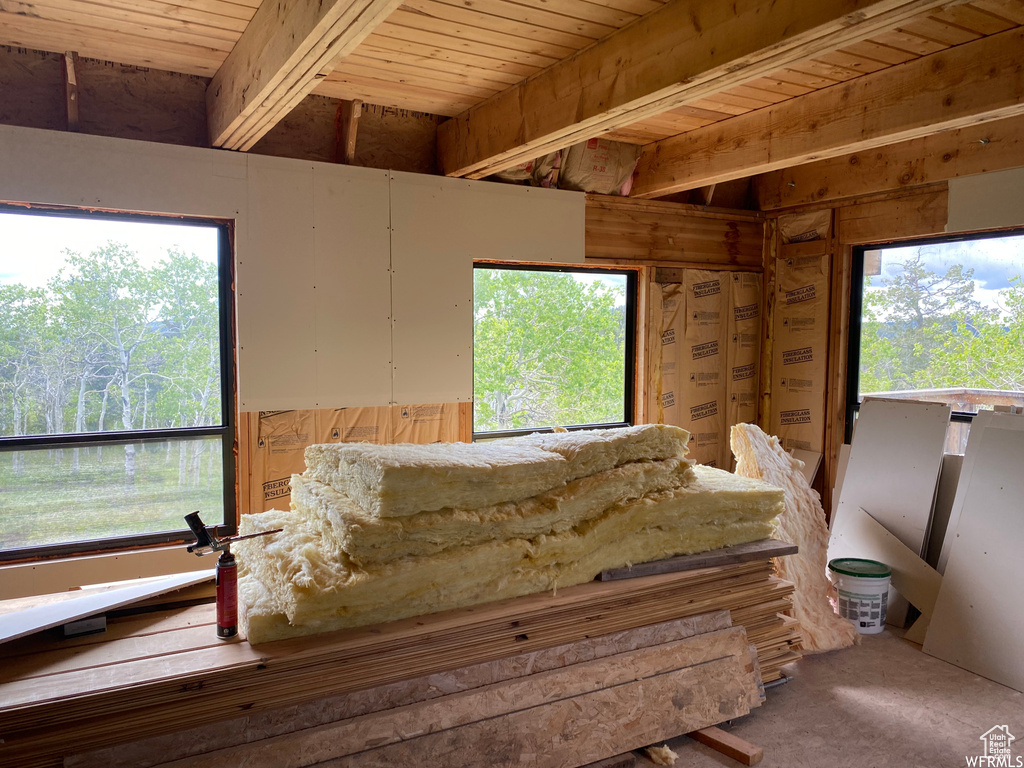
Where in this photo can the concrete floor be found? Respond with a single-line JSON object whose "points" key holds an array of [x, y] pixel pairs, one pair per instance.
{"points": [[882, 704]]}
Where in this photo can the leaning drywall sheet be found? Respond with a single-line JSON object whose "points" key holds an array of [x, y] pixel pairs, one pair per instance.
{"points": [[978, 426], [743, 343], [949, 478], [799, 366], [978, 623], [280, 439], [893, 472], [857, 534]]}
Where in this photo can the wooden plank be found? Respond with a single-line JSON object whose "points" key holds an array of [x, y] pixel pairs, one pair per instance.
{"points": [[677, 54], [993, 146], [278, 60], [349, 124], [30, 620], [738, 553], [896, 218], [978, 623], [70, 77], [631, 230], [729, 745], [944, 91]]}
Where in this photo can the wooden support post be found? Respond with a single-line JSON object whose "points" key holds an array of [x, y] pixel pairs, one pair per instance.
{"points": [[729, 745], [348, 123], [70, 78], [703, 195]]}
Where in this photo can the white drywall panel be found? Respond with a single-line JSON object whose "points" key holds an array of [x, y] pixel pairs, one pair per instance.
{"points": [[274, 281], [979, 424], [893, 472], [431, 290], [986, 201], [894, 466], [60, 168], [352, 286], [439, 227], [978, 623]]}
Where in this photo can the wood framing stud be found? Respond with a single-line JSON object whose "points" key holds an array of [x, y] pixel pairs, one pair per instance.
{"points": [[729, 745], [681, 52], [285, 51], [70, 77], [348, 123], [971, 83]]}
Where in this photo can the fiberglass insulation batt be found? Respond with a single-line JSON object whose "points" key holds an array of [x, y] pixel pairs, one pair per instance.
{"points": [[617, 499]]}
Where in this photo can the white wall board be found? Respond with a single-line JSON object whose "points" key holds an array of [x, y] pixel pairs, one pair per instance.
{"points": [[978, 623], [986, 201], [893, 472], [352, 286], [979, 423]]}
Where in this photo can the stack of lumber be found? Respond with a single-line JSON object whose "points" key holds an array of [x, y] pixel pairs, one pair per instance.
{"points": [[566, 705], [379, 533], [162, 674]]}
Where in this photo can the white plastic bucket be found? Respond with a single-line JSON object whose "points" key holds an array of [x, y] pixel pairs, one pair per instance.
{"points": [[863, 591]]}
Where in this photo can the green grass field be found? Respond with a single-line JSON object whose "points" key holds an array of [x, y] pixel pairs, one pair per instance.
{"points": [[47, 502]]}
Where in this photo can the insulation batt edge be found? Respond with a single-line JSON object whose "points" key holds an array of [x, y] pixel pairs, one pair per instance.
{"points": [[802, 522]]}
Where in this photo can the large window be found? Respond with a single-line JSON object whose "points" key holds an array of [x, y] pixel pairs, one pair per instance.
{"points": [[940, 320], [116, 407], [552, 347]]}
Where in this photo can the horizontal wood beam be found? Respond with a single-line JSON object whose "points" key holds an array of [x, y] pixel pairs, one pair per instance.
{"points": [[681, 52], [994, 146], [287, 49], [971, 83]]}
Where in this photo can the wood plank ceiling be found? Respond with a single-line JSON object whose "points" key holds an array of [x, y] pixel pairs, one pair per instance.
{"points": [[457, 57]]}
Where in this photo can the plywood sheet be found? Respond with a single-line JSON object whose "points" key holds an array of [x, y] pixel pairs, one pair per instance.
{"points": [[978, 623]]}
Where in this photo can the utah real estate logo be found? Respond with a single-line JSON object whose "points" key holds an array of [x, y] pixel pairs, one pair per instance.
{"points": [[997, 752]]}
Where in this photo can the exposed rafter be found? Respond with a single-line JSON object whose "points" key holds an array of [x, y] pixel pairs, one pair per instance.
{"points": [[682, 52], [971, 83], [287, 48]]}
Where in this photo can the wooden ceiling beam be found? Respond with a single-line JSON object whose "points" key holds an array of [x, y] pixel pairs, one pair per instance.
{"points": [[681, 52], [284, 52], [972, 83], [994, 146]]}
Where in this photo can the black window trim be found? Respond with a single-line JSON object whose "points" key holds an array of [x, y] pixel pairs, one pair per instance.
{"points": [[629, 394], [227, 430], [857, 309]]}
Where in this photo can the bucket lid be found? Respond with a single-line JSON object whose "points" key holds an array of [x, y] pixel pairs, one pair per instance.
{"points": [[865, 569]]}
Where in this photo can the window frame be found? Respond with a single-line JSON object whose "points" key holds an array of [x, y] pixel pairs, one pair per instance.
{"points": [[226, 431], [857, 310], [631, 317]]}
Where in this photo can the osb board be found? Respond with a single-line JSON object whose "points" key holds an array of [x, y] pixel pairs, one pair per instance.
{"points": [[508, 700], [278, 439], [262, 727], [582, 728]]}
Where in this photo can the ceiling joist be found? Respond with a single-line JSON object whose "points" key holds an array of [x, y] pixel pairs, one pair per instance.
{"points": [[682, 52], [971, 83], [285, 51]]}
